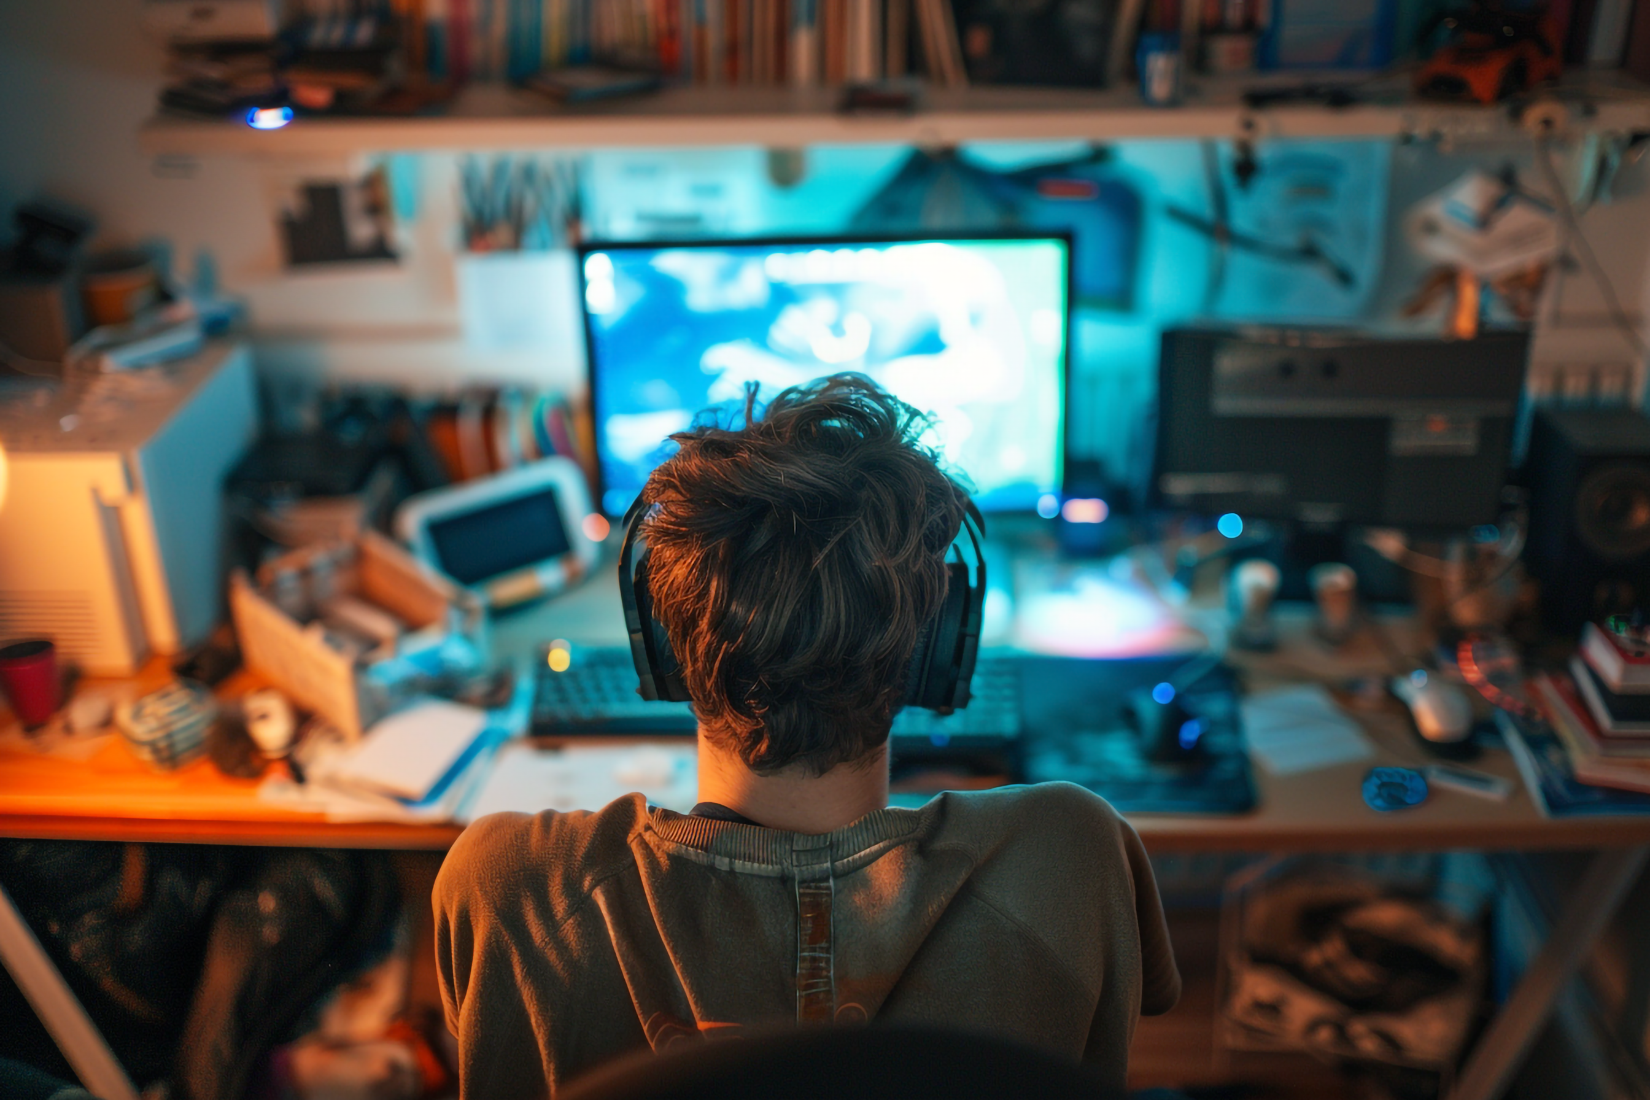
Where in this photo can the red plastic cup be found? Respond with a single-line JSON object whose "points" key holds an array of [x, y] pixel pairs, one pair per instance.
{"points": [[28, 675]]}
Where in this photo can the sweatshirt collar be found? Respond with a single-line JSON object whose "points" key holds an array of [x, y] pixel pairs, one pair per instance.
{"points": [[778, 848]]}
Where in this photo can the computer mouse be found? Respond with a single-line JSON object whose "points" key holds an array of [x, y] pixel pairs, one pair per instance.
{"points": [[1169, 733], [1441, 711]]}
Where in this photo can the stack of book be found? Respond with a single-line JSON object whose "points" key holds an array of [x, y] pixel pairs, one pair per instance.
{"points": [[222, 55], [345, 63], [1599, 718]]}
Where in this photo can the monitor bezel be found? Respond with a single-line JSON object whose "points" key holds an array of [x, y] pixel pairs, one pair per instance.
{"points": [[1062, 445]]}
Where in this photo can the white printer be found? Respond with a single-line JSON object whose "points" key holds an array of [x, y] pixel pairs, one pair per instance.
{"points": [[112, 529]]}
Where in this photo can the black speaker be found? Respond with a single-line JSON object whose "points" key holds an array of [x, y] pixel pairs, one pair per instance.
{"points": [[1589, 476]]}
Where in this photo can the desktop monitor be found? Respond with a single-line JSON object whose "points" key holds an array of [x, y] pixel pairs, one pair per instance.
{"points": [[974, 329], [1329, 427]]}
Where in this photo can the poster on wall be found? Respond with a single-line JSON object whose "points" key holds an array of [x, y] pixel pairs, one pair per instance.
{"points": [[1322, 198]]}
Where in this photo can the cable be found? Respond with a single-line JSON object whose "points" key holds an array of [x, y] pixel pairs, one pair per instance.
{"points": [[1574, 237]]}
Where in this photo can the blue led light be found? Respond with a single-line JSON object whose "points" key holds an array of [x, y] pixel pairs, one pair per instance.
{"points": [[1190, 731], [1486, 532], [1048, 506], [268, 118], [1163, 694], [939, 740], [1230, 525], [1419, 677]]}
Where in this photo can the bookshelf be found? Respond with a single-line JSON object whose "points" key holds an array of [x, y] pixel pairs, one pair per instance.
{"points": [[487, 117]]}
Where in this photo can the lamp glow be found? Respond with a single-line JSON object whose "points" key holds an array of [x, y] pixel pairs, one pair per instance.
{"points": [[595, 527], [560, 657], [1085, 510], [268, 118]]}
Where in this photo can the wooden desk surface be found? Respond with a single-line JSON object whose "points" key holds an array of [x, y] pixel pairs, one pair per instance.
{"points": [[114, 796]]}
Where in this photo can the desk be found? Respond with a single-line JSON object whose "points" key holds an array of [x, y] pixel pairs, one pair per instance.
{"points": [[115, 797]]}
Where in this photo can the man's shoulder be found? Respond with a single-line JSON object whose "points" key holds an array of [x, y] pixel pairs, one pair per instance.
{"points": [[1059, 808], [553, 858], [1045, 823]]}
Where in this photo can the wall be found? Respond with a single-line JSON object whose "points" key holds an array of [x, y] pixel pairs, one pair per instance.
{"points": [[78, 78]]}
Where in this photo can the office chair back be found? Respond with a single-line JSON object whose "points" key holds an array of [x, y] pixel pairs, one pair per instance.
{"points": [[844, 1063]]}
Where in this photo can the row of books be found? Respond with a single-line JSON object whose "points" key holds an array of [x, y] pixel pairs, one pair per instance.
{"points": [[487, 430], [1592, 754], [738, 42]]}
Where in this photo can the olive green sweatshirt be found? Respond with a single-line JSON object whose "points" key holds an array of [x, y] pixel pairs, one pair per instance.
{"points": [[564, 939]]}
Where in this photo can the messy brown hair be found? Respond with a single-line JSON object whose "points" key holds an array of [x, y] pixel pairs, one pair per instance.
{"points": [[793, 560]]}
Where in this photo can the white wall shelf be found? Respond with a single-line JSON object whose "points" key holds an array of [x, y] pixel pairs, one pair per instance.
{"points": [[491, 117]]}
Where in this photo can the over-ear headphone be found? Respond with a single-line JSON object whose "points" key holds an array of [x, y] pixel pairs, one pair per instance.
{"points": [[942, 664]]}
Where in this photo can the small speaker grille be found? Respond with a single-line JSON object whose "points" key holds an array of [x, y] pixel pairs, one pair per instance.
{"points": [[1613, 511], [64, 617]]}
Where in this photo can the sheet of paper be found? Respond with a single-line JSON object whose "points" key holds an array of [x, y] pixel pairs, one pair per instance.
{"points": [[528, 780], [1300, 729], [406, 754]]}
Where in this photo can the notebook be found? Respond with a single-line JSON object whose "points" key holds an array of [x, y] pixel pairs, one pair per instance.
{"points": [[408, 753]]}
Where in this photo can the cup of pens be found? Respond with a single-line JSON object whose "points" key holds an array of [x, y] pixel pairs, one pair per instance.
{"points": [[511, 203]]}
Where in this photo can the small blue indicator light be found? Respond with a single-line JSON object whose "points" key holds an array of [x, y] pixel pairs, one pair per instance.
{"points": [[1230, 525], [1419, 677], [1163, 694], [1190, 731], [1486, 532], [1048, 506], [939, 740], [268, 118]]}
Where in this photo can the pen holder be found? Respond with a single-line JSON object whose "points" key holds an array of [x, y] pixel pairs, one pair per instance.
{"points": [[166, 729]]}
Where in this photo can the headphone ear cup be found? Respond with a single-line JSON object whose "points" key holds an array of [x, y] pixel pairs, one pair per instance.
{"points": [[659, 672], [935, 671], [916, 676], [667, 671]]}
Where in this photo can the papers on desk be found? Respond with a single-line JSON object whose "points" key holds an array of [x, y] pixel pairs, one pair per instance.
{"points": [[1300, 729], [405, 755], [437, 762], [528, 780], [423, 764]]}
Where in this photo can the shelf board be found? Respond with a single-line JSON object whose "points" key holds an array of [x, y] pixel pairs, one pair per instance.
{"points": [[493, 117]]}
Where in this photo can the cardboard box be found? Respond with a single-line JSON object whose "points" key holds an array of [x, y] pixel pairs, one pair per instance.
{"points": [[298, 658]]}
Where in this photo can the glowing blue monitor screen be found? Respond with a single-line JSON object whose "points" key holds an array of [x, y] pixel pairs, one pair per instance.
{"points": [[971, 330]]}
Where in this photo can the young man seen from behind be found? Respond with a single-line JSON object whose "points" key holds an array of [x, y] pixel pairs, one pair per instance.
{"points": [[793, 562]]}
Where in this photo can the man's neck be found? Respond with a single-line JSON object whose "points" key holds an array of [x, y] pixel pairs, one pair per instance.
{"points": [[792, 799]]}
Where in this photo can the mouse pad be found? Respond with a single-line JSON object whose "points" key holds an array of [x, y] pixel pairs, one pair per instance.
{"points": [[1074, 730]]}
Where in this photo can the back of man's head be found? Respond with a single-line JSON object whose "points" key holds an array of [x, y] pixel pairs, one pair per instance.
{"points": [[793, 562]]}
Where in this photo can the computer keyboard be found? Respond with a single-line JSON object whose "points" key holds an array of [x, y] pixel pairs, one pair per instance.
{"points": [[596, 694]]}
